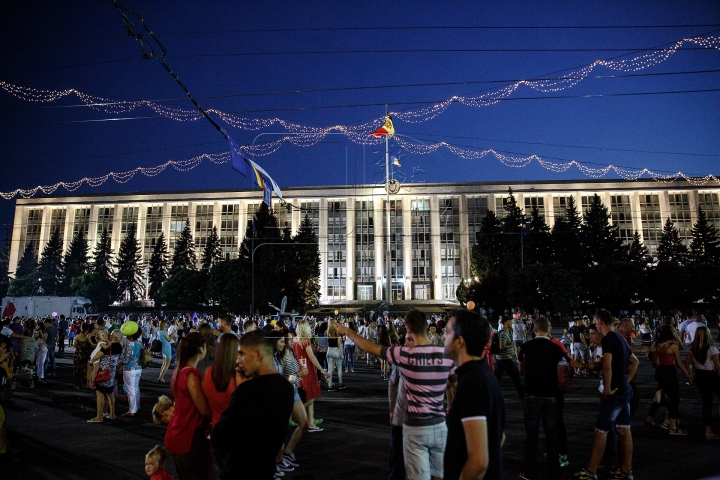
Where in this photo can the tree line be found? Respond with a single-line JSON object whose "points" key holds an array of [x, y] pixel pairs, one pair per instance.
{"points": [[582, 263], [287, 265]]}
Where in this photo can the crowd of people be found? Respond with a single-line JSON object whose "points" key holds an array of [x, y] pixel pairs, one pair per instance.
{"points": [[447, 411]]}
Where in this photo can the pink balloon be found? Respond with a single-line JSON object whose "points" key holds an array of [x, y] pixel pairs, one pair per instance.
{"points": [[54, 314]]}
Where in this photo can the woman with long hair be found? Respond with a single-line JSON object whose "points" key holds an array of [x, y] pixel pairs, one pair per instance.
{"points": [[348, 352], [166, 341], [703, 356], [185, 436], [108, 358], [219, 378], [334, 357], [206, 331], [302, 347], [665, 355], [81, 357], [383, 339]]}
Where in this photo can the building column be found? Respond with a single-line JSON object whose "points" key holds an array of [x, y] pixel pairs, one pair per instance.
{"points": [[67, 229], [140, 231], [407, 247], [635, 214], [694, 200], [664, 199], [242, 222], [435, 247], [16, 247], [117, 224], [192, 215], [322, 246], [92, 227], [297, 217], [217, 210], [45, 229], [350, 248], [464, 239], [379, 246]]}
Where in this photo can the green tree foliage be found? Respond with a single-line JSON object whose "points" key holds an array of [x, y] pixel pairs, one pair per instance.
{"points": [[93, 285], [305, 268], [129, 266], [613, 285], [212, 253], [566, 246], [184, 253], [537, 243], [601, 240], [487, 253], [50, 269], [670, 248], [76, 261], [637, 253], [705, 244], [185, 289], [25, 281], [263, 236], [5, 268], [229, 285], [103, 257], [158, 266], [545, 287]]}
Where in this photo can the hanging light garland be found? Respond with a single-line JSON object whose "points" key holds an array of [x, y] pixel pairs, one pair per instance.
{"points": [[306, 135]]}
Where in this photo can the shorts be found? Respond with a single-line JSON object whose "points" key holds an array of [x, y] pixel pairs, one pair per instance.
{"points": [[296, 394], [424, 450], [614, 412], [580, 349], [519, 343]]}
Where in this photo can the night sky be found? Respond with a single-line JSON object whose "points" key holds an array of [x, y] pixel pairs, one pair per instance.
{"points": [[319, 65]]}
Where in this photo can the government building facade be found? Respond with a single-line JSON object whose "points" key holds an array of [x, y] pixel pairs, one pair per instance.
{"points": [[433, 226]]}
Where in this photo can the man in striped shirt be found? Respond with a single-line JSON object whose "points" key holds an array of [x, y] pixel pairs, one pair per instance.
{"points": [[425, 370]]}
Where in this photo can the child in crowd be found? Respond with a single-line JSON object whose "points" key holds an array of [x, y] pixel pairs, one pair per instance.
{"points": [[95, 362], [155, 464]]}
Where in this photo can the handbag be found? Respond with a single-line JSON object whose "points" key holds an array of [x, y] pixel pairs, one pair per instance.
{"points": [[156, 346], [102, 375], [145, 357]]}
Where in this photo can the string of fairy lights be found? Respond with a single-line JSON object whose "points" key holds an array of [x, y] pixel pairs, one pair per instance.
{"points": [[307, 136]]}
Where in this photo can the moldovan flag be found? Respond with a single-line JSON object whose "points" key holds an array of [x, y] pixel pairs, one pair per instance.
{"points": [[9, 310], [386, 129], [238, 163], [396, 162]]}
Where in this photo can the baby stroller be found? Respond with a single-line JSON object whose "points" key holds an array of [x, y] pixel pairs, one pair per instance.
{"points": [[26, 373]]}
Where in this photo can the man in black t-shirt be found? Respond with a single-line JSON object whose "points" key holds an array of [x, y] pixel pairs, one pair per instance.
{"points": [[540, 358], [250, 433], [579, 341], [476, 420]]}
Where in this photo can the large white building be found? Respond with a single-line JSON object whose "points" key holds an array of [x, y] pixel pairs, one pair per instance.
{"points": [[432, 226]]}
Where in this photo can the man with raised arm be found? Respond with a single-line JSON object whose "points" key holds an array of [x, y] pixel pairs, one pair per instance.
{"points": [[425, 370]]}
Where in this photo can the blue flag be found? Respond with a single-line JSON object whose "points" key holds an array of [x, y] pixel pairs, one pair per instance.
{"points": [[267, 197], [238, 162]]}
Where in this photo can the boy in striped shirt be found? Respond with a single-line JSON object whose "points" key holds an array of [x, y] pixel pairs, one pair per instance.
{"points": [[425, 370]]}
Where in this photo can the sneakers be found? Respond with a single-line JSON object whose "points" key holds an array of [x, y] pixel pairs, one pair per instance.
{"points": [[619, 475], [332, 388], [585, 474], [563, 460], [293, 423], [289, 459], [318, 421], [284, 467], [314, 429], [341, 386]]}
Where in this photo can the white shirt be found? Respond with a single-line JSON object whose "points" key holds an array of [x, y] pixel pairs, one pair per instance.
{"points": [[690, 331], [172, 333], [708, 365]]}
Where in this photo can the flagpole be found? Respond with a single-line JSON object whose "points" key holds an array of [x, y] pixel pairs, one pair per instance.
{"points": [[388, 270]]}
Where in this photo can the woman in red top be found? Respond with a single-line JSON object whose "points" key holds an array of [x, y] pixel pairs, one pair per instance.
{"points": [[185, 436], [303, 352], [219, 379]]}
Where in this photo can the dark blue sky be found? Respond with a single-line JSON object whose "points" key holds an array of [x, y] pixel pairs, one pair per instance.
{"points": [[259, 59]]}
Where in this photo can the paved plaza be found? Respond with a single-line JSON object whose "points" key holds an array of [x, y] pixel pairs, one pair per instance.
{"points": [[50, 438]]}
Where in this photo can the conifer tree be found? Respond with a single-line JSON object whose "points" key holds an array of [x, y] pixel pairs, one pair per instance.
{"points": [[158, 267], [263, 228], [538, 248], [487, 252], [184, 253], [50, 269], [5, 268], [129, 266], [513, 219], [670, 248], [637, 253], [307, 264], [601, 240], [705, 244], [76, 262], [212, 253], [25, 279], [103, 257]]}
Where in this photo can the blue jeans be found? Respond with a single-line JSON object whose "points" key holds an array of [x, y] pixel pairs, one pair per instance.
{"points": [[508, 365], [397, 460], [614, 411], [424, 450], [536, 410], [50, 361], [349, 360]]}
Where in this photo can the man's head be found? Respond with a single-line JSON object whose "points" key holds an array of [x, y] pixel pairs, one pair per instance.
{"points": [[255, 349], [699, 317], [250, 326], [466, 334], [416, 322], [224, 323], [541, 326], [595, 336], [603, 321], [626, 327], [507, 323], [48, 321]]}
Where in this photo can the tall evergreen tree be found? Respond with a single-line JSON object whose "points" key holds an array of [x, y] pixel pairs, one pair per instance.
{"points": [[705, 244], [50, 269], [129, 266], [184, 253], [566, 244], [637, 253], [212, 253], [538, 247], [25, 281], [103, 257], [158, 266], [76, 260], [5, 268], [486, 254], [307, 264], [261, 230], [601, 240], [670, 248], [514, 218]]}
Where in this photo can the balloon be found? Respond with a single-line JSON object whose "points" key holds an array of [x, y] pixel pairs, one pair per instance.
{"points": [[54, 314], [129, 328], [471, 305]]}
